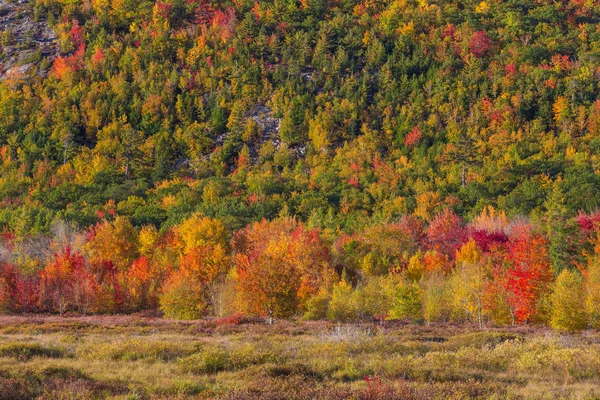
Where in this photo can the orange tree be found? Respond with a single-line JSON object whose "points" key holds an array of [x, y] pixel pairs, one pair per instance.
{"points": [[279, 265]]}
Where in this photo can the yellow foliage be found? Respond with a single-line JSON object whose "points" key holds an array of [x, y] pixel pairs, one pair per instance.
{"points": [[115, 241], [468, 253], [560, 109], [568, 312], [148, 239], [416, 268], [491, 220], [199, 230], [426, 204], [482, 8]]}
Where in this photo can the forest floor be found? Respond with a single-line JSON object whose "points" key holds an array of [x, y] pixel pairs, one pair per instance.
{"points": [[142, 358]]}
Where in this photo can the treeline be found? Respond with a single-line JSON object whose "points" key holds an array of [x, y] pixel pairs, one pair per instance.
{"points": [[490, 271]]}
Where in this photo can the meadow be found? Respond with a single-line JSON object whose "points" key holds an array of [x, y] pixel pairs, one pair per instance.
{"points": [[132, 357]]}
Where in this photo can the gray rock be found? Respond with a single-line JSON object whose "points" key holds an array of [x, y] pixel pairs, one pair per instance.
{"points": [[26, 41]]}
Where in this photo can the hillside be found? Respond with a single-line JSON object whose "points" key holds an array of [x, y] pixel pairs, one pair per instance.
{"points": [[363, 111], [349, 160]]}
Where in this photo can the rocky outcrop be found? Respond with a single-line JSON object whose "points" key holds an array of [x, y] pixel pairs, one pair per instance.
{"points": [[269, 125], [24, 41]]}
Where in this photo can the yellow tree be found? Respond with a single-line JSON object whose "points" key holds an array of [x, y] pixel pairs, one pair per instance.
{"points": [[467, 284], [209, 266], [182, 297], [435, 291], [568, 310], [115, 241], [199, 230], [592, 293], [341, 307]]}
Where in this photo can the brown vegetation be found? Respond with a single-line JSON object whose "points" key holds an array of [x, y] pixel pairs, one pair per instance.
{"points": [[146, 358]]}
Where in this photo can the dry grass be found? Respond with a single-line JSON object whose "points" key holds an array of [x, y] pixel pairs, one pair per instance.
{"points": [[145, 358]]}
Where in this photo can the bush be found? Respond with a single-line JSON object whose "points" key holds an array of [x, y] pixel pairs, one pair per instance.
{"points": [[216, 359], [26, 351], [316, 306], [183, 298], [436, 304], [406, 303], [568, 303], [341, 307], [138, 349]]}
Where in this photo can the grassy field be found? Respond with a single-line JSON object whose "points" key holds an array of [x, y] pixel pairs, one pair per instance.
{"points": [[145, 358]]}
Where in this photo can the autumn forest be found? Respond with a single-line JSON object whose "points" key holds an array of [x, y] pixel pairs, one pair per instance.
{"points": [[325, 160]]}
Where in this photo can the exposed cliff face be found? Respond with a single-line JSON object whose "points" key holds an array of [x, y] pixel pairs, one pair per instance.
{"points": [[24, 42]]}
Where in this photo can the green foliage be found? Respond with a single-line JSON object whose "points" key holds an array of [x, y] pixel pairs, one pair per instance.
{"points": [[341, 307], [26, 351], [183, 298], [216, 359], [407, 302], [354, 111], [436, 296], [317, 306], [568, 302]]}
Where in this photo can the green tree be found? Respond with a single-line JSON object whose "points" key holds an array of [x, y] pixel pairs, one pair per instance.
{"points": [[568, 302]]}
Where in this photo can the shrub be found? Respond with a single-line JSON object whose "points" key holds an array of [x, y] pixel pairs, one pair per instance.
{"points": [[373, 300], [341, 307], [216, 359], [407, 302], [183, 298], [137, 349], [316, 306], [209, 361], [26, 351], [234, 319], [436, 305], [568, 303]]}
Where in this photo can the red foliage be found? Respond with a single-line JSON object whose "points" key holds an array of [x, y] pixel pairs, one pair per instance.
{"points": [[77, 35], [25, 293], [449, 31], [413, 137], [66, 283], [164, 9], [204, 12], [253, 199], [375, 387], [139, 282], [488, 240], [528, 275], [353, 182], [23, 290], [235, 319], [446, 233], [98, 57], [588, 222], [64, 65], [561, 62], [225, 21], [480, 44], [511, 69]]}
